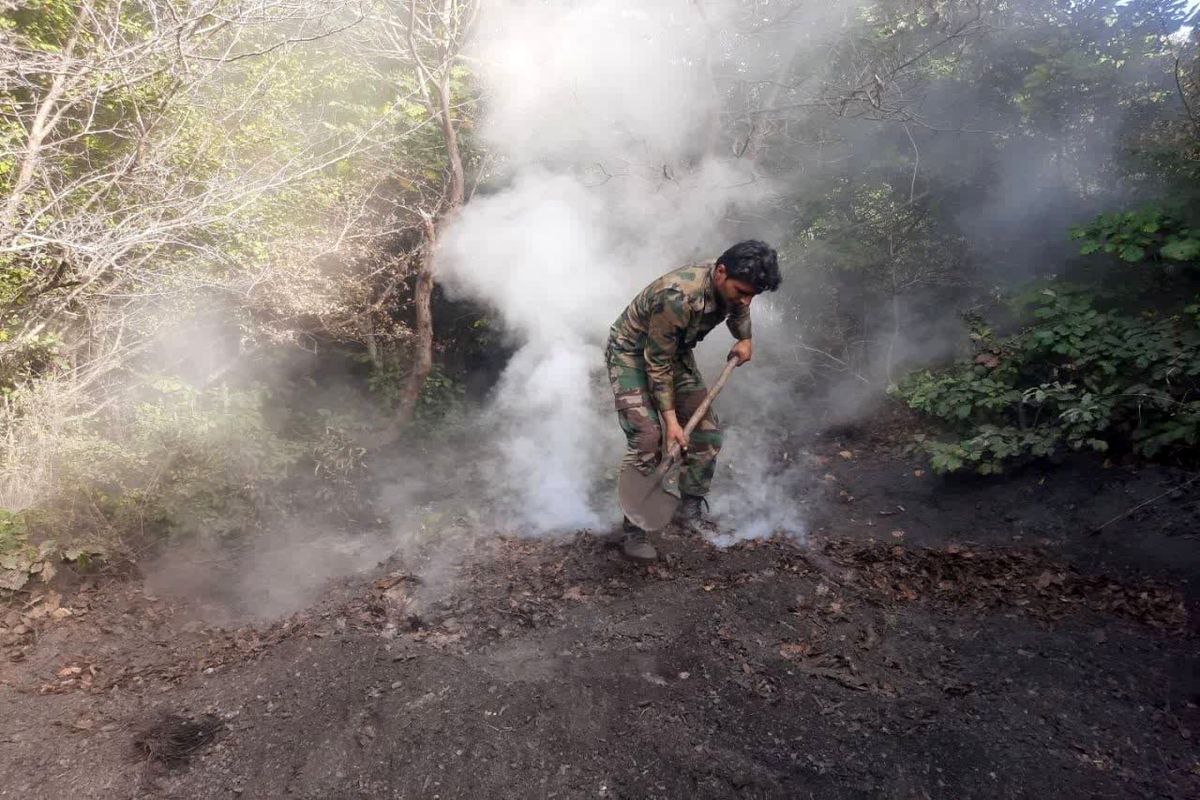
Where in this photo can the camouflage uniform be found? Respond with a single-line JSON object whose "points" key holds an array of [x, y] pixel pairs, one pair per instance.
{"points": [[651, 367]]}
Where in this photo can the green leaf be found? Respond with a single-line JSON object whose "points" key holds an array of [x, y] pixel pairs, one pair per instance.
{"points": [[1132, 253], [1183, 250]]}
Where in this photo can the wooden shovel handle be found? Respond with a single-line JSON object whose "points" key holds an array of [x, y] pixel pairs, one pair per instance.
{"points": [[701, 410]]}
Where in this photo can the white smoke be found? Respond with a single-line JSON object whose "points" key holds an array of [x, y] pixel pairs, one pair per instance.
{"points": [[600, 112], [595, 80], [762, 480]]}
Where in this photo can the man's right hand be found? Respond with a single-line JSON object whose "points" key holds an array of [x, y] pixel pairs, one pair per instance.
{"points": [[675, 436]]}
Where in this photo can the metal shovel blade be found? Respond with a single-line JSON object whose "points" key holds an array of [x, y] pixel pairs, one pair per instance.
{"points": [[643, 499], [645, 502]]}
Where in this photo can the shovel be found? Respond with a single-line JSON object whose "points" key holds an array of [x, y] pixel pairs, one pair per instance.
{"points": [[643, 499]]}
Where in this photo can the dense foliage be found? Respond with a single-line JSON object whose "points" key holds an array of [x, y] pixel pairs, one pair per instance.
{"points": [[1106, 352], [1078, 377], [1145, 234]]}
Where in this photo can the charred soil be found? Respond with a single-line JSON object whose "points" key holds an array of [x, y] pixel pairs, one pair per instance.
{"points": [[933, 638]]}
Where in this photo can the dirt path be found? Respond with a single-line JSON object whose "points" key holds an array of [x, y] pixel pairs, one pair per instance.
{"points": [[951, 661]]}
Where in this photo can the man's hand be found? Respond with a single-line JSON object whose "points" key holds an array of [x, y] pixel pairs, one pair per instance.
{"points": [[672, 430], [742, 351], [674, 434]]}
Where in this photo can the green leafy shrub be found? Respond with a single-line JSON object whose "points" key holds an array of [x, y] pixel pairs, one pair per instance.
{"points": [[1078, 377], [339, 460], [1151, 233], [183, 460], [21, 560], [17, 557], [441, 399], [170, 460]]}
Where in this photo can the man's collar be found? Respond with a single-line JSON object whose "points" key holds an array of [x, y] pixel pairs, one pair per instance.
{"points": [[712, 300]]}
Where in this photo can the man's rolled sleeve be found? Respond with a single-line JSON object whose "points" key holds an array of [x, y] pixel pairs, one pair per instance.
{"points": [[662, 343], [739, 322]]}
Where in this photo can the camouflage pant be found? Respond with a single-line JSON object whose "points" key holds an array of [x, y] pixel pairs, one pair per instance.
{"points": [[640, 420]]}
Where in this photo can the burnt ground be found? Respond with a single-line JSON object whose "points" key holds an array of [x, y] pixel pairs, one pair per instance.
{"points": [[936, 639]]}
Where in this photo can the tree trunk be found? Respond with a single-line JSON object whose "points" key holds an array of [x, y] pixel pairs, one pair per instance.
{"points": [[437, 96], [422, 346], [435, 85]]}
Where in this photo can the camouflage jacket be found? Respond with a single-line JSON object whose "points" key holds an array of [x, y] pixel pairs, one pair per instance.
{"points": [[667, 319]]}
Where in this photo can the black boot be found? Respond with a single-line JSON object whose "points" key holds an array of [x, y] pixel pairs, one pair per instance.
{"points": [[692, 515], [635, 546]]}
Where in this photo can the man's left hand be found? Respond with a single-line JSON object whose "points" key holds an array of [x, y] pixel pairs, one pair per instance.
{"points": [[742, 351]]}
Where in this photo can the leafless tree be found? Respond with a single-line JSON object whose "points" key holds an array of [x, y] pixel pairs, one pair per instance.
{"points": [[146, 167], [423, 41], [108, 177]]}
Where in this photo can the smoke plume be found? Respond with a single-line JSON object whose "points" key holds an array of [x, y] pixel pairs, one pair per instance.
{"points": [[599, 113]]}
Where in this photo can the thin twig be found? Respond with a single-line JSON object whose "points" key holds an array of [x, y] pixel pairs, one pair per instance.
{"points": [[1119, 517]]}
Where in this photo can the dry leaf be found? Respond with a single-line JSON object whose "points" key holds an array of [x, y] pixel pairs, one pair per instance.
{"points": [[794, 649], [989, 360], [1044, 580]]}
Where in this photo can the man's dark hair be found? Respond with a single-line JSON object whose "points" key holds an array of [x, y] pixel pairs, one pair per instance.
{"points": [[755, 263]]}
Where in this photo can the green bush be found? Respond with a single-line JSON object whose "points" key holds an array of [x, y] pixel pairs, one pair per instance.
{"points": [[182, 460], [339, 459], [1077, 377], [179, 462], [1152, 233], [21, 560], [441, 398]]}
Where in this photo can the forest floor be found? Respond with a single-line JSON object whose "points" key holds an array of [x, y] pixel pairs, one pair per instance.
{"points": [[935, 638]]}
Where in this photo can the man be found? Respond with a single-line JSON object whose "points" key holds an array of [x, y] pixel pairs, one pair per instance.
{"points": [[653, 371]]}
